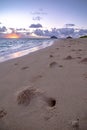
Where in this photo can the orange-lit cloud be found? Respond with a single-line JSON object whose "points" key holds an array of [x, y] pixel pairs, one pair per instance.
{"points": [[12, 35]]}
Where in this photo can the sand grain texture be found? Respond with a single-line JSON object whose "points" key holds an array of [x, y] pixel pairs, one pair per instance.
{"points": [[60, 88]]}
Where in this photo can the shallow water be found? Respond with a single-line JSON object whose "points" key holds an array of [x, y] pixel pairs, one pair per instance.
{"points": [[13, 48]]}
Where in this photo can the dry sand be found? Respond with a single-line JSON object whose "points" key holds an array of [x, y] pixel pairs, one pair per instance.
{"points": [[47, 89]]}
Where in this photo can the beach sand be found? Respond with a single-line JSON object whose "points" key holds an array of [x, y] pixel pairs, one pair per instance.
{"points": [[47, 89]]}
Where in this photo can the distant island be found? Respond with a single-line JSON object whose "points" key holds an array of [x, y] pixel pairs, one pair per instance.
{"points": [[54, 37], [84, 36], [69, 37]]}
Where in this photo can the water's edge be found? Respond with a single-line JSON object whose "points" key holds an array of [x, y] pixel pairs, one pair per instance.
{"points": [[25, 52]]}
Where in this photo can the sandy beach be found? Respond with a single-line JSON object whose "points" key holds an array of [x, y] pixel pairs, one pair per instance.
{"points": [[47, 89]]}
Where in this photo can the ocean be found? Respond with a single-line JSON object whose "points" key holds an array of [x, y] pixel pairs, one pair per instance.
{"points": [[13, 48]]}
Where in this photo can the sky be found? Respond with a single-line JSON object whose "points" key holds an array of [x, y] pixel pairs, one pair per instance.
{"points": [[35, 16]]}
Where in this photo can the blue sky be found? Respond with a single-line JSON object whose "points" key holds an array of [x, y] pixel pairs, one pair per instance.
{"points": [[48, 13]]}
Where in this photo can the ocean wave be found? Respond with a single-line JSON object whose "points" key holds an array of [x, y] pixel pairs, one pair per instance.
{"points": [[12, 48]]}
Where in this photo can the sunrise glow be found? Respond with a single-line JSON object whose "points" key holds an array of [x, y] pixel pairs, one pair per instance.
{"points": [[12, 35]]}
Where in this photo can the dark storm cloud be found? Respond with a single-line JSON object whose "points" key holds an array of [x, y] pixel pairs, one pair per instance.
{"points": [[35, 26]]}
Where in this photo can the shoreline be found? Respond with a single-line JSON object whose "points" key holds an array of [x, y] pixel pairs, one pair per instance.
{"points": [[45, 89], [25, 51]]}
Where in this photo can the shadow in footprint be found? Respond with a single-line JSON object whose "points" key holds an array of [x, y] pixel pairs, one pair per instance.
{"points": [[85, 75], [83, 60], [25, 67], [50, 56], [79, 49], [60, 66], [57, 48], [50, 101], [53, 64], [16, 64], [79, 57], [68, 58], [75, 124], [73, 50], [2, 113]]}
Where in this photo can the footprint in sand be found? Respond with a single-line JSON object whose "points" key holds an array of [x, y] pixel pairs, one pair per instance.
{"points": [[75, 124], [69, 46], [16, 64], [60, 66], [2, 113], [36, 78], [85, 75], [24, 97], [57, 48], [53, 64], [73, 50], [79, 49], [79, 57], [68, 58], [51, 56], [25, 67], [83, 60]]}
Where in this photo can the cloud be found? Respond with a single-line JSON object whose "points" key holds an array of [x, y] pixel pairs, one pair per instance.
{"points": [[3, 29], [28, 33], [18, 30], [82, 32], [69, 25], [35, 26], [63, 32], [21, 29], [39, 32], [39, 12], [38, 18], [60, 33], [46, 32], [12, 29], [66, 31]]}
